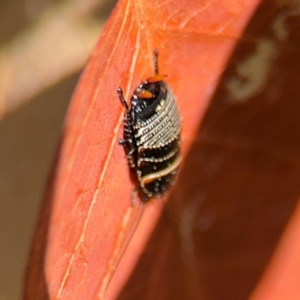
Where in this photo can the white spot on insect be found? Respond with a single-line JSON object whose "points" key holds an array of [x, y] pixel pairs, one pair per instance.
{"points": [[158, 108]]}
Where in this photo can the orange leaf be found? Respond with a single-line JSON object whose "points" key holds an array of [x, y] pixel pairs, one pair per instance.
{"points": [[240, 181], [87, 211]]}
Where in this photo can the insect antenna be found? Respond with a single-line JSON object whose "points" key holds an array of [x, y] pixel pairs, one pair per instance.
{"points": [[155, 60], [121, 98], [157, 77]]}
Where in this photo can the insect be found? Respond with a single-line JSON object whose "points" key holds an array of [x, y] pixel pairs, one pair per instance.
{"points": [[151, 135]]}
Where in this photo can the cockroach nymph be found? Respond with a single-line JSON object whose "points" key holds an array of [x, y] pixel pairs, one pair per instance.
{"points": [[151, 135]]}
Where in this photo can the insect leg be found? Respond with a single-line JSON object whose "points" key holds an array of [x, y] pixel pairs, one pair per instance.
{"points": [[123, 142], [127, 143]]}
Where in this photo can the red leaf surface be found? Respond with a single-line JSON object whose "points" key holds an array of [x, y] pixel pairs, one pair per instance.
{"points": [[233, 173]]}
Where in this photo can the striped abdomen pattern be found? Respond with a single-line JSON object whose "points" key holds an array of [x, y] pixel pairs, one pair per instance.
{"points": [[151, 137]]}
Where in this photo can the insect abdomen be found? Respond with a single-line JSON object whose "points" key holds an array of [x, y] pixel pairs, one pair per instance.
{"points": [[152, 135], [157, 139]]}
